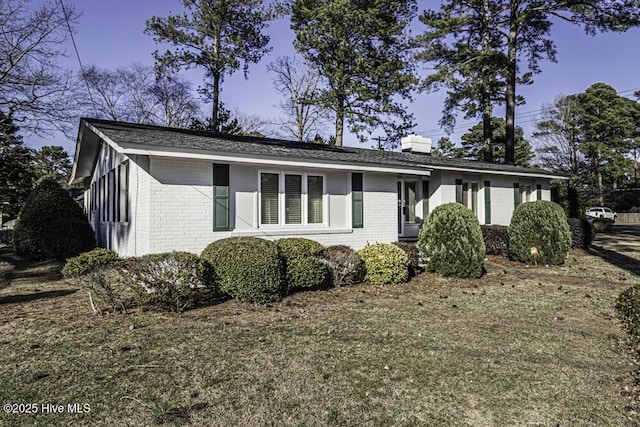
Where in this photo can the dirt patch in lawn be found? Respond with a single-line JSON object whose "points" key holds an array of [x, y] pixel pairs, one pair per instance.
{"points": [[520, 346]]}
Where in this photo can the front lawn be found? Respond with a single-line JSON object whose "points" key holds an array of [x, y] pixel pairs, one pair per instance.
{"points": [[520, 346]]}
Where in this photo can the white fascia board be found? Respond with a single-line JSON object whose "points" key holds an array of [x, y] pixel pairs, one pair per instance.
{"points": [[119, 149], [497, 172], [276, 162]]}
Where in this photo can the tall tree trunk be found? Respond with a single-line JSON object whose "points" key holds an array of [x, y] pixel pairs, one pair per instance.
{"points": [[487, 132], [217, 76], [599, 176], [512, 70], [339, 122], [215, 113], [487, 110]]}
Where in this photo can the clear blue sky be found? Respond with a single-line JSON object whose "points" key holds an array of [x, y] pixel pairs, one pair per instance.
{"points": [[110, 35]]}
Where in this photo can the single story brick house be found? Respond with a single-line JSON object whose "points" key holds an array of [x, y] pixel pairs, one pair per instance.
{"points": [[152, 189]]}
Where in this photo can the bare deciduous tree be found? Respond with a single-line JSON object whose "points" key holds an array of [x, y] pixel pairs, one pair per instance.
{"points": [[35, 90], [299, 85], [137, 94]]}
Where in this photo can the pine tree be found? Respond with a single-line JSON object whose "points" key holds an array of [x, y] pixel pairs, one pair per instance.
{"points": [[362, 52], [607, 123], [219, 36], [472, 143], [17, 176], [464, 47]]}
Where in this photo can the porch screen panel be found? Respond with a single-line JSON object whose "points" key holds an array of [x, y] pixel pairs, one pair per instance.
{"points": [[269, 198], [101, 204], [487, 202], [111, 192], [315, 188], [516, 195], [220, 197], [357, 201], [293, 199], [459, 191], [538, 192], [425, 200], [93, 199], [122, 205]]}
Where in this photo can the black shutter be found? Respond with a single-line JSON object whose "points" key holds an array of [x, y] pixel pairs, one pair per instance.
{"points": [[220, 197], [357, 201]]}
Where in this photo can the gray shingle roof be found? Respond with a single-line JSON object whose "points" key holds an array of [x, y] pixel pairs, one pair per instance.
{"points": [[157, 137]]}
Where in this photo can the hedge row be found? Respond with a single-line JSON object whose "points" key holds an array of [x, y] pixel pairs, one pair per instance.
{"points": [[248, 269], [496, 237]]}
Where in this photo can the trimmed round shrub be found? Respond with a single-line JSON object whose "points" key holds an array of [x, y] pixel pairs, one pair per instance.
{"points": [[247, 268], [345, 266], [384, 264], [539, 233], [172, 280], [496, 239], [413, 254], [451, 242], [86, 262], [69, 237], [304, 264], [295, 246], [628, 306], [51, 225], [581, 232]]}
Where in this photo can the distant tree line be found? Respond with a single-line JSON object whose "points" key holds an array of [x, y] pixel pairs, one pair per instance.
{"points": [[594, 138]]}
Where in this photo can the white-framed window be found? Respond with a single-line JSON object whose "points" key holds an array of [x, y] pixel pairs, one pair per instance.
{"points": [[291, 198]]}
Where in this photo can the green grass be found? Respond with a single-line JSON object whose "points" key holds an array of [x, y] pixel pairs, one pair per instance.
{"points": [[530, 347]]}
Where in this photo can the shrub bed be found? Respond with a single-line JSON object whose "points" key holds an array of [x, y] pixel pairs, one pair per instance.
{"points": [[51, 225], [384, 264], [539, 233], [581, 232], [413, 254], [345, 266], [451, 242], [247, 268], [496, 239], [175, 280], [305, 267]]}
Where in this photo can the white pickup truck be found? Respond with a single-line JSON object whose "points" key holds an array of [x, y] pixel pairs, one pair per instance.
{"points": [[601, 212]]}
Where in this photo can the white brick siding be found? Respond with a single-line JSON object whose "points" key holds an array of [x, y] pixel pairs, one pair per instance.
{"points": [[171, 205]]}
